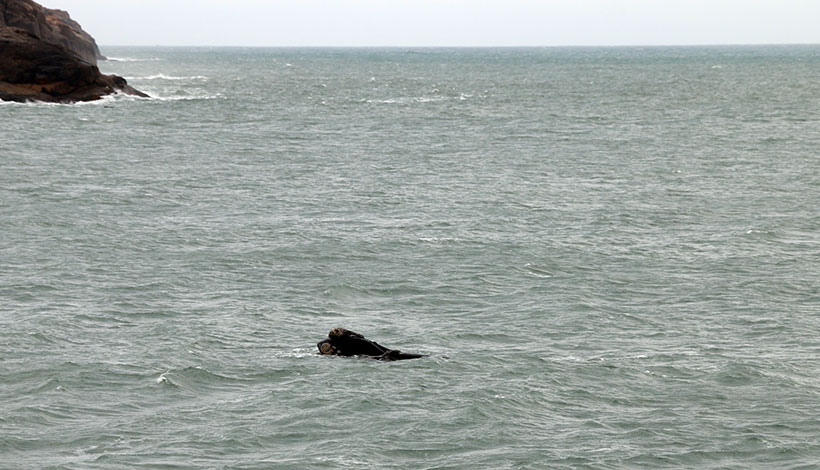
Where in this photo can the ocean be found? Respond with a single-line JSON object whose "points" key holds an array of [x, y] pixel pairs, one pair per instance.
{"points": [[610, 255]]}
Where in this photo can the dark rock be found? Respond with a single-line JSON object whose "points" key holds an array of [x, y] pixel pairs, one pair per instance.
{"points": [[46, 56], [52, 26], [342, 342]]}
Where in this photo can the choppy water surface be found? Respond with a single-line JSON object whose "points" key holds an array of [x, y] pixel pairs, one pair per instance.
{"points": [[611, 256]]}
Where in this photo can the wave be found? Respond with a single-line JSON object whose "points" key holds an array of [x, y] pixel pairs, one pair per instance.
{"points": [[107, 99], [418, 99], [196, 377], [162, 76], [113, 98], [185, 98], [131, 59], [440, 240], [297, 353], [28, 103], [151, 97]]}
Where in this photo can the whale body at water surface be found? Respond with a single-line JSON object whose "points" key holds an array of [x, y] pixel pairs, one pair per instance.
{"points": [[342, 342]]}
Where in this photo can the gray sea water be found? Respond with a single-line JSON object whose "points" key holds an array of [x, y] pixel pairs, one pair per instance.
{"points": [[610, 255]]}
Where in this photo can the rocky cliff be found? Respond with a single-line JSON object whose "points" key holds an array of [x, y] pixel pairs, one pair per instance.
{"points": [[46, 56], [52, 26]]}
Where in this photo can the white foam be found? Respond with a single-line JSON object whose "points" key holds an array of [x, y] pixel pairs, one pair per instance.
{"points": [[296, 353], [27, 103], [130, 59], [186, 98], [151, 97], [162, 76], [440, 240], [417, 99], [106, 99], [113, 98]]}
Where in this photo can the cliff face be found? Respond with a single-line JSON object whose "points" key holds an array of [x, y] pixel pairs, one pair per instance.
{"points": [[51, 26], [32, 70], [46, 56]]}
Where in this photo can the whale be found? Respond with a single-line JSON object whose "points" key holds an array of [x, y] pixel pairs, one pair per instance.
{"points": [[342, 342]]}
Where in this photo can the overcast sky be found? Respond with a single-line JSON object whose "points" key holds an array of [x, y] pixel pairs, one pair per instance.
{"points": [[445, 22]]}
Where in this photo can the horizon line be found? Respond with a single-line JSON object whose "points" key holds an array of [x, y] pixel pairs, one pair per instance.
{"points": [[555, 46]]}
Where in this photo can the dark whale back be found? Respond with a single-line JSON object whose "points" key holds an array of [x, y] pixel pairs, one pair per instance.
{"points": [[342, 342]]}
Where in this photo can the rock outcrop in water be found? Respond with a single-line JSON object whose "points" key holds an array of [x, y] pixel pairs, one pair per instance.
{"points": [[46, 56]]}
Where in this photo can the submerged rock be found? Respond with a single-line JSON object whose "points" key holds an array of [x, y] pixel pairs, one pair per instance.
{"points": [[46, 56]]}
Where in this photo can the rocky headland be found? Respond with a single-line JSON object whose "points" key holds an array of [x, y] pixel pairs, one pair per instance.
{"points": [[46, 56]]}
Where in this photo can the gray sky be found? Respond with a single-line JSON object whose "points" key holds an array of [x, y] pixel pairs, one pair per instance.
{"points": [[445, 22]]}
